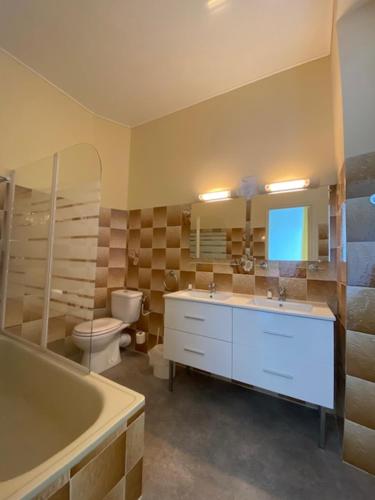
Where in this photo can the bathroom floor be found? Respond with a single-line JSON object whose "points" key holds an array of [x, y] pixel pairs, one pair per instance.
{"points": [[213, 440]]}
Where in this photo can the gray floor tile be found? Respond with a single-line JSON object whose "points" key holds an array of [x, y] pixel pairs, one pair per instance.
{"points": [[213, 440]]}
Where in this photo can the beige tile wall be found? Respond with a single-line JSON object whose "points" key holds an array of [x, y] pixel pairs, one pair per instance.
{"points": [[158, 242], [138, 248], [357, 312], [341, 299], [111, 257], [112, 471]]}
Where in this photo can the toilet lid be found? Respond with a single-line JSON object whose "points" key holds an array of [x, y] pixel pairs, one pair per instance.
{"points": [[98, 326]]}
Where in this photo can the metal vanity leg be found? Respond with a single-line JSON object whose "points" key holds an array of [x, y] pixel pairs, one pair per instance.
{"points": [[171, 373], [322, 427]]}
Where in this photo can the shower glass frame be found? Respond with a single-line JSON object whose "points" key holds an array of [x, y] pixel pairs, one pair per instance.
{"points": [[49, 246]]}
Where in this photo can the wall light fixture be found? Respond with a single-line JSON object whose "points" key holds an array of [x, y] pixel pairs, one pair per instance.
{"points": [[296, 185], [215, 195]]}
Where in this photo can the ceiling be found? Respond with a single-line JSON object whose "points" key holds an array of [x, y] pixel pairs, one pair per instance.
{"points": [[136, 60]]}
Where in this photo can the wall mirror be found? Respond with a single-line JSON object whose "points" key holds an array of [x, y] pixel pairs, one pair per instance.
{"points": [[217, 230], [291, 225]]}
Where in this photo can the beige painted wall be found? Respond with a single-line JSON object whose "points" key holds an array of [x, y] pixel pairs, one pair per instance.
{"points": [[36, 120], [356, 36], [338, 125], [113, 144], [278, 128]]}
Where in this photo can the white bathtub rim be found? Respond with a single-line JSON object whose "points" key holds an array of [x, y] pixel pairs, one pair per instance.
{"points": [[49, 355], [32, 482]]}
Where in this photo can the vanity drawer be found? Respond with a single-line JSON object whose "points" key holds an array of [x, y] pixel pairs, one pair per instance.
{"points": [[246, 323], [214, 356], [289, 355], [204, 319]]}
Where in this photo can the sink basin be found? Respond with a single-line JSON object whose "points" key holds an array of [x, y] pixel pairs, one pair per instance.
{"points": [[203, 294], [287, 305], [256, 302]]}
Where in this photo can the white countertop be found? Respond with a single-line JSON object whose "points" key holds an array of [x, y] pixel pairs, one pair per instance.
{"points": [[305, 309]]}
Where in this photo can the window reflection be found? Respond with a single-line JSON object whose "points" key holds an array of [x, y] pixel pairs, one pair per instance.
{"points": [[288, 233]]}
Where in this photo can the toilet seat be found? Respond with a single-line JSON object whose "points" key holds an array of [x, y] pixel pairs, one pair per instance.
{"points": [[100, 326]]}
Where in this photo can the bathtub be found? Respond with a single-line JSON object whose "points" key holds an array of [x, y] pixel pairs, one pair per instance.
{"points": [[52, 416]]}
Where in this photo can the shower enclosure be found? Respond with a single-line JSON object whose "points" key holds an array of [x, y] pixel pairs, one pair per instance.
{"points": [[49, 236]]}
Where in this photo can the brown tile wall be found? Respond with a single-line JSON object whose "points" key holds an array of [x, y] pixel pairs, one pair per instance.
{"points": [[158, 242], [138, 248], [341, 297], [357, 307], [112, 471], [111, 257]]}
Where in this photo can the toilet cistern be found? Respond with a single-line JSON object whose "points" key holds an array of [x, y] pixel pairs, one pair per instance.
{"points": [[100, 340]]}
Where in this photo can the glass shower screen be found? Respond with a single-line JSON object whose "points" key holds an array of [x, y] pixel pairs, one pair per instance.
{"points": [[50, 249]]}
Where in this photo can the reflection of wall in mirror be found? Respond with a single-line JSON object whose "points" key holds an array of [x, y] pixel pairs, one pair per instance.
{"points": [[211, 228], [219, 214]]}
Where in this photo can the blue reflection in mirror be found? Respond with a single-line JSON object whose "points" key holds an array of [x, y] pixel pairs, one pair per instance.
{"points": [[288, 233]]}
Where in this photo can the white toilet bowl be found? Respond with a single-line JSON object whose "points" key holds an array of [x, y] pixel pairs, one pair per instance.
{"points": [[101, 339], [100, 342]]}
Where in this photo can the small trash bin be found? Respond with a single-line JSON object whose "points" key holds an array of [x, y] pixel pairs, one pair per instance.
{"points": [[157, 361]]}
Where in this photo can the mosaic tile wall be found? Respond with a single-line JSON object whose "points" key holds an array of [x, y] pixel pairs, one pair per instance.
{"points": [[358, 311], [158, 242], [111, 267], [111, 257]]}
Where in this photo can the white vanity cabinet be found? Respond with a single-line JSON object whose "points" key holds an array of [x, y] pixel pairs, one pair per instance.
{"points": [[289, 355], [199, 318], [199, 335], [286, 348]]}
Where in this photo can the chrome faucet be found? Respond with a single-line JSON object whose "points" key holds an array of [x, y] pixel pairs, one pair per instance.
{"points": [[282, 293], [212, 288]]}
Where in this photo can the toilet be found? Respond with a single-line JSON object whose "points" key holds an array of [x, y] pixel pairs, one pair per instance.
{"points": [[101, 339]]}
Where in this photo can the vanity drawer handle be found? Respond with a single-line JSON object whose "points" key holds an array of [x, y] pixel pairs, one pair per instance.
{"points": [[196, 318], [279, 374], [194, 351], [278, 334]]}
